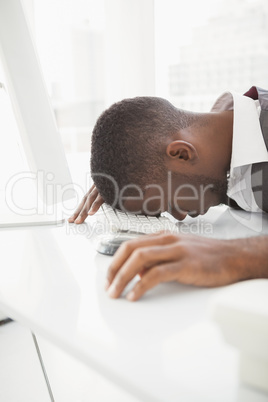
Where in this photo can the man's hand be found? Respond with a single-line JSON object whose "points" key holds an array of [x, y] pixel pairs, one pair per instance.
{"points": [[187, 259], [88, 206]]}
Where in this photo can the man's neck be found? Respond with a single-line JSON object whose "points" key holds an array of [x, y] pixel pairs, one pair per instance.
{"points": [[223, 132]]}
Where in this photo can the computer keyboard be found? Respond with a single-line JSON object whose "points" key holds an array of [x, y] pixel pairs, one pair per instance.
{"points": [[123, 221], [121, 226]]}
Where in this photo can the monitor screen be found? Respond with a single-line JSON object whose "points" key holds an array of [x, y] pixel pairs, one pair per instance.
{"points": [[25, 87], [29, 97]]}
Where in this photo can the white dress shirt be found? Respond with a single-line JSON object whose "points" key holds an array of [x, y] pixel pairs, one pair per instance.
{"points": [[248, 146]]}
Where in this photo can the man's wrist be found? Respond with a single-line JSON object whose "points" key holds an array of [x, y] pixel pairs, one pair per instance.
{"points": [[251, 258]]}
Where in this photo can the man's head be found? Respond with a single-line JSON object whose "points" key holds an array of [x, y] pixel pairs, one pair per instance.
{"points": [[145, 152]]}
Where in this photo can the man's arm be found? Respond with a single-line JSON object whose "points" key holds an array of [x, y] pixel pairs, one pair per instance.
{"points": [[89, 205], [187, 259]]}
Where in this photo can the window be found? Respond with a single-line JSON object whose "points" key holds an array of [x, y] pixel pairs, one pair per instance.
{"points": [[205, 48], [93, 53]]}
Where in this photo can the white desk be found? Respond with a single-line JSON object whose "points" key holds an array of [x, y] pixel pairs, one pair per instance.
{"points": [[161, 348]]}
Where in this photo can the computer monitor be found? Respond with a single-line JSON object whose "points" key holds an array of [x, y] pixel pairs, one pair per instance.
{"points": [[31, 104]]}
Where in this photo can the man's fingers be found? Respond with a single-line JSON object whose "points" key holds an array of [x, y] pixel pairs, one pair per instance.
{"points": [[127, 248], [141, 259], [123, 276], [152, 278], [77, 211], [84, 211], [81, 212], [96, 205]]}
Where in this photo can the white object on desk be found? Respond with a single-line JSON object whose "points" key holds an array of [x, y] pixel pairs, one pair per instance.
{"points": [[241, 311]]}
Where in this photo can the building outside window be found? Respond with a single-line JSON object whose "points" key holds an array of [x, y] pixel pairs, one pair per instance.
{"points": [[95, 52], [211, 47]]}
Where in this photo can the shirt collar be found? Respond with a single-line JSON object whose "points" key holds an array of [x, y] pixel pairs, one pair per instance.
{"points": [[248, 144]]}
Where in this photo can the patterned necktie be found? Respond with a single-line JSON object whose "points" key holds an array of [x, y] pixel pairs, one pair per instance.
{"points": [[259, 171]]}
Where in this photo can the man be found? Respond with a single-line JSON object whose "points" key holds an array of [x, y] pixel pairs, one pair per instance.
{"points": [[149, 157]]}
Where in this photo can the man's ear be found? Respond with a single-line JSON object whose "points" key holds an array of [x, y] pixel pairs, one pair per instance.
{"points": [[182, 150]]}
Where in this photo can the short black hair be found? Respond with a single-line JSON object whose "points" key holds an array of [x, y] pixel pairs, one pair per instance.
{"points": [[128, 144]]}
